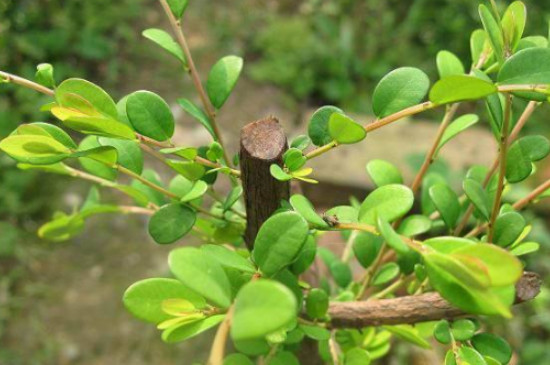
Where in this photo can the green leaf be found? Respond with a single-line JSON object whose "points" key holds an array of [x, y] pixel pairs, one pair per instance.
{"points": [[237, 359], [150, 115], [508, 227], [493, 346], [366, 247], [446, 202], [450, 358], [34, 149], [189, 153], [383, 173], [92, 166], [345, 130], [389, 202], [46, 129], [198, 114], [478, 40], [341, 273], [305, 257], [269, 300], [457, 126], [513, 23], [529, 66], [279, 241], [493, 30], [522, 154], [222, 79], [463, 329], [166, 41], [201, 273], [177, 7], [154, 196], [294, 159], [399, 89], [228, 258], [129, 154], [171, 222], [357, 356], [106, 155], [525, 248], [303, 206], [95, 125], [452, 89], [391, 237], [91, 93], [182, 333], [232, 197], [408, 333], [458, 284], [318, 129], [62, 228], [532, 42], [284, 358], [44, 75], [317, 303], [414, 225], [467, 355], [188, 169], [315, 332], [197, 190], [386, 273], [144, 298], [442, 332], [301, 142], [278, 173], [448, 64], [478, 196]]}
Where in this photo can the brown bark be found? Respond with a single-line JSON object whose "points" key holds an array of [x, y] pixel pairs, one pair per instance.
{"points": [[413, 309], [263, 143]]}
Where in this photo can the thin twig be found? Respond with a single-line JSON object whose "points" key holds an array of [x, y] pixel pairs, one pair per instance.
{"points": [[519, 205], [390, 289], [176, 28], [449, 114], [217, 351], [26, 83], [527, 112], [136, 210], [502, 164]]}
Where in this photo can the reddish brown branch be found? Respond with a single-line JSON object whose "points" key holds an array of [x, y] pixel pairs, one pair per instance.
{"points": [[413, 309]]}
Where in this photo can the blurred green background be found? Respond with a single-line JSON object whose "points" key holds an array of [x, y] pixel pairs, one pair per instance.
{"points": [[313, 52]]}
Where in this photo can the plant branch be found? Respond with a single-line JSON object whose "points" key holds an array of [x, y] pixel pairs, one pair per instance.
{"points": [[519, 205], [200, 160], [413, 309], [494, 167], [390, 289], [163, 191], [217, 351], [449, 114], [136, 210], [26, 83], [176, 28], [502, 165]]}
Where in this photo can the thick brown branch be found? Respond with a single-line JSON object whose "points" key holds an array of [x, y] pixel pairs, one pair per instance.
{"points": [[262, 144], [413, 309]]}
